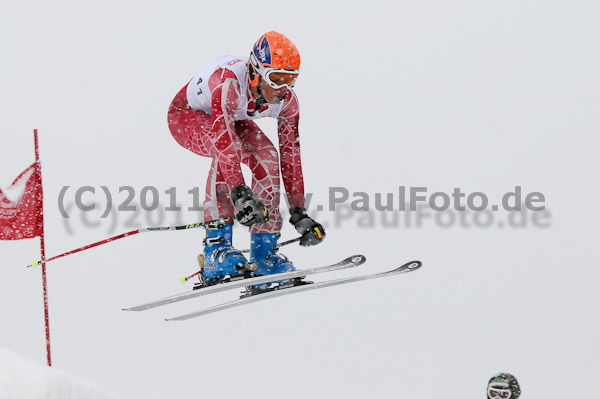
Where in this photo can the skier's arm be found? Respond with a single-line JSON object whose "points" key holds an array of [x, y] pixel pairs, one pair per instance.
{"points": [[289, 148], [291, 168], [225, 97]]}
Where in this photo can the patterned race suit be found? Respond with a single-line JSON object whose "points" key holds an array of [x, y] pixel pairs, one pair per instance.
{"points": [[212, 117]]}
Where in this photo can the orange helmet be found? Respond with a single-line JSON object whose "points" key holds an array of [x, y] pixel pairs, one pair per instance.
{"points": [[275, 54]]}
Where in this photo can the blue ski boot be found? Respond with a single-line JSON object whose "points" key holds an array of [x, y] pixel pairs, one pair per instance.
{"points": [[264, 252], [222, 262]]}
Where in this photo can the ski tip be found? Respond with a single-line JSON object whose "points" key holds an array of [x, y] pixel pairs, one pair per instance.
{"points": [[357, 259], [410, 266]]}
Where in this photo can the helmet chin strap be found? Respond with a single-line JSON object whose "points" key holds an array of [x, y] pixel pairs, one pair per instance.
{"points": [[260, 100]]}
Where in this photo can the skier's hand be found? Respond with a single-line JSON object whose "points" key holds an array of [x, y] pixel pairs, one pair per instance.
{"points": [[312, 232], [248, 209]]}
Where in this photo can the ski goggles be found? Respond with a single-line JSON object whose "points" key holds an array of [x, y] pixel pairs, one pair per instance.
{"points": [[277, 78], [498, 393]]}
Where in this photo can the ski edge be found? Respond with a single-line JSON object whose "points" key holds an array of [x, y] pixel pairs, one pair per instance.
{"points": [[351, 261]]}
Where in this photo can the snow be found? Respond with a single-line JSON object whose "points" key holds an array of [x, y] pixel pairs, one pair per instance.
{"points": [[23, 378]]}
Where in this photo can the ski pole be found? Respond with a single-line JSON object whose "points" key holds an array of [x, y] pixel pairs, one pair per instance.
{"points": [[276, 247], [35, 264], [293, 240], [200, 263], [184, 279]]}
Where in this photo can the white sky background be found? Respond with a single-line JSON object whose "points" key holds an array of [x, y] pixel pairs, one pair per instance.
{"points": [[478, 95]]}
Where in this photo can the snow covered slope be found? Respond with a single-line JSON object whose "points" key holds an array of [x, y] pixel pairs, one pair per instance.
{"points": [[22, 378]]}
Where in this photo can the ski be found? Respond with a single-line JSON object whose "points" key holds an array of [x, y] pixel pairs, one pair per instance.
{"points": [[351, 261], [406, 268]]}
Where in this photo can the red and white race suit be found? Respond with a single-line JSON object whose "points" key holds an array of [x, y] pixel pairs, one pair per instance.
{"points": [[212, 117]]}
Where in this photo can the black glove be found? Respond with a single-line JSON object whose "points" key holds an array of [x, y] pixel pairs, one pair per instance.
{"points": [[248, 209], [312, 232]]}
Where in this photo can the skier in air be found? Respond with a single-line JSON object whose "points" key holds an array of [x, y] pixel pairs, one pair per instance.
{"points": [[503, 386], [212, 117]]}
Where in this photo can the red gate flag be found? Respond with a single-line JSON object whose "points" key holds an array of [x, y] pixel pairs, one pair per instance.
{"points": [[21, 212]]}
